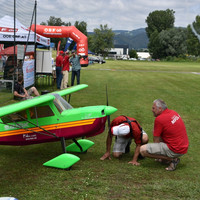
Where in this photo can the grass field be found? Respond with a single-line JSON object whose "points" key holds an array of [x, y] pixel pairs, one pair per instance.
{"points": [[132, 87]]}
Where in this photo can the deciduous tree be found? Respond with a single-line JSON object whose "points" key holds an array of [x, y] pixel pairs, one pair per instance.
{"points": [[159, 20], [173, 42], [102, 40], [133, 53]]}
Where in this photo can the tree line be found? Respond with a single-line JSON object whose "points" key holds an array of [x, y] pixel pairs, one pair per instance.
{"points": [[165, 40]]}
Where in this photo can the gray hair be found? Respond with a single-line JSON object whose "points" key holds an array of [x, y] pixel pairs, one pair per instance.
{"points": [[160, 104]]}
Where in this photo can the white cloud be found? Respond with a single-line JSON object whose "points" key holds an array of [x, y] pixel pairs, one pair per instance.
{"points": [[118, 14]]}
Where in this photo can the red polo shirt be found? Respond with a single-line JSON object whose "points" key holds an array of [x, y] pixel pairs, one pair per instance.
{"points": [[65, 63], [136, 130], [170, 127], [59, 61]]}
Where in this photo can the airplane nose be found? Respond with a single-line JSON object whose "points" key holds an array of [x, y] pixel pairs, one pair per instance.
{"points": [[109, 110]]}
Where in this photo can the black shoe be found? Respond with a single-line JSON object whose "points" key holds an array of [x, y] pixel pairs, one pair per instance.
{"points": [[127, 149], [140, 156]]}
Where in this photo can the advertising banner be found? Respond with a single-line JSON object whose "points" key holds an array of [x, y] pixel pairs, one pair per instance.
{"points": [[28, 71]]}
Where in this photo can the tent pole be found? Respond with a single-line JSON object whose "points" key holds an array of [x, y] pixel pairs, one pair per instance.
{"points": [[35, 38], [14, 41], [14, 26]]}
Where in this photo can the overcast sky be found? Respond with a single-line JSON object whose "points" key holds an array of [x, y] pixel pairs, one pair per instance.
{"points": [[117, 14]]}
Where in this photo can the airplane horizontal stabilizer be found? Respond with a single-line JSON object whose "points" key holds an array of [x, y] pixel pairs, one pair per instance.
{"points": [[63, 161], [84, 144]]}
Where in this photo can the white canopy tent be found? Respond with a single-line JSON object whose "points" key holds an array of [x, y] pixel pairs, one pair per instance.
{"points": [[22, 36], [21, 32]]}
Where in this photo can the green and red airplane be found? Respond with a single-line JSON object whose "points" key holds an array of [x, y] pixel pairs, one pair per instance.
{"points": [[50, 117]]}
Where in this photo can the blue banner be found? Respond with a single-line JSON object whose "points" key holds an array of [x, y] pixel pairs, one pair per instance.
{"points": [[69, 41], [74, 48]]}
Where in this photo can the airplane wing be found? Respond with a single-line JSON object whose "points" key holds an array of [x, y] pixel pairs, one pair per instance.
{"points": [[71, 89], [16, 107]]}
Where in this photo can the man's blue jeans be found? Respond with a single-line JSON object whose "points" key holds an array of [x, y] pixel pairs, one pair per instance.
{"points": [[77, 74], [58, 77]]}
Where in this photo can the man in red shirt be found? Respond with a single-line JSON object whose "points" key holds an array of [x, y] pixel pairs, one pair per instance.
{"points": [[65, 70], [125, 129], [59, 65], [170, 136]]}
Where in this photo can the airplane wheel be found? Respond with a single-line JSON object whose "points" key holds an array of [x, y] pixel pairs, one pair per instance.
{"points": [[84, 152], [68, 169]]}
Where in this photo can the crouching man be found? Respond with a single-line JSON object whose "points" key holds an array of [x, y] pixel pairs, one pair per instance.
{"points": [[125, 129], [170, 136]]}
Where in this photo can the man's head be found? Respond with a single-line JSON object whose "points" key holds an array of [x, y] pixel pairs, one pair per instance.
{"points": [[61, 52], [158, 107], [73, 53], [145, 138], [20, 78], [120, 130]]}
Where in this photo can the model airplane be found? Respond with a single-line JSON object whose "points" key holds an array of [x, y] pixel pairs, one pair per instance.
{"points": [[50, 118]]}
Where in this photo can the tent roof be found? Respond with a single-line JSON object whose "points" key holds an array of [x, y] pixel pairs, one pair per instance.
{"points": [[10, 51], [21, 32], [90, 52]]}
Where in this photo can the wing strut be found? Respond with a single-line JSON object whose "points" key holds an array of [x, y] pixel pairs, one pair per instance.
{"points": [[52, 134], [19, 126]]}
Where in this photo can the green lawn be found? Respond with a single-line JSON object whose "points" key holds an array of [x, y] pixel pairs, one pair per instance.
{"points": [[132, 87]]}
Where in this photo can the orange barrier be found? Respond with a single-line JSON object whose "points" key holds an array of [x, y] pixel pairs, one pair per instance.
{"points": [[66, 31]]}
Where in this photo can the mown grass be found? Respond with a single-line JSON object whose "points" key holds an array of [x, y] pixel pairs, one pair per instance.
{"points": [[132, 86]]}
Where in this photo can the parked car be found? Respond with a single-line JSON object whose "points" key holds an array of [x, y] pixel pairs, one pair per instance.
{"points": [[96, 59], [132, 59]]}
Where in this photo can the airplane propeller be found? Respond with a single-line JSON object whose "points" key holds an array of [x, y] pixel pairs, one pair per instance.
{"points": [[108, 117]]}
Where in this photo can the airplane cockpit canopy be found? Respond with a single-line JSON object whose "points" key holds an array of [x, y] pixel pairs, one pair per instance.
{"points": [[61, 104]]}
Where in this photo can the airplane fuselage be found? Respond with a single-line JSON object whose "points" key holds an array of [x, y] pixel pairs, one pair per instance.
{"points": [[51, 121]]}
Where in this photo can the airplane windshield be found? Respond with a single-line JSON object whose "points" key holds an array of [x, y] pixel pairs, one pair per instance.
{"points": [[61, 104]]}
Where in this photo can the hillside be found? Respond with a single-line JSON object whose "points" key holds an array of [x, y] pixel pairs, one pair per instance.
{"points": [[136, 39]]}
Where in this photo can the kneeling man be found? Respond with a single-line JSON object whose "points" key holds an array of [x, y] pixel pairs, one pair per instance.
{"points": [[170, 136], [125, 129]]}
